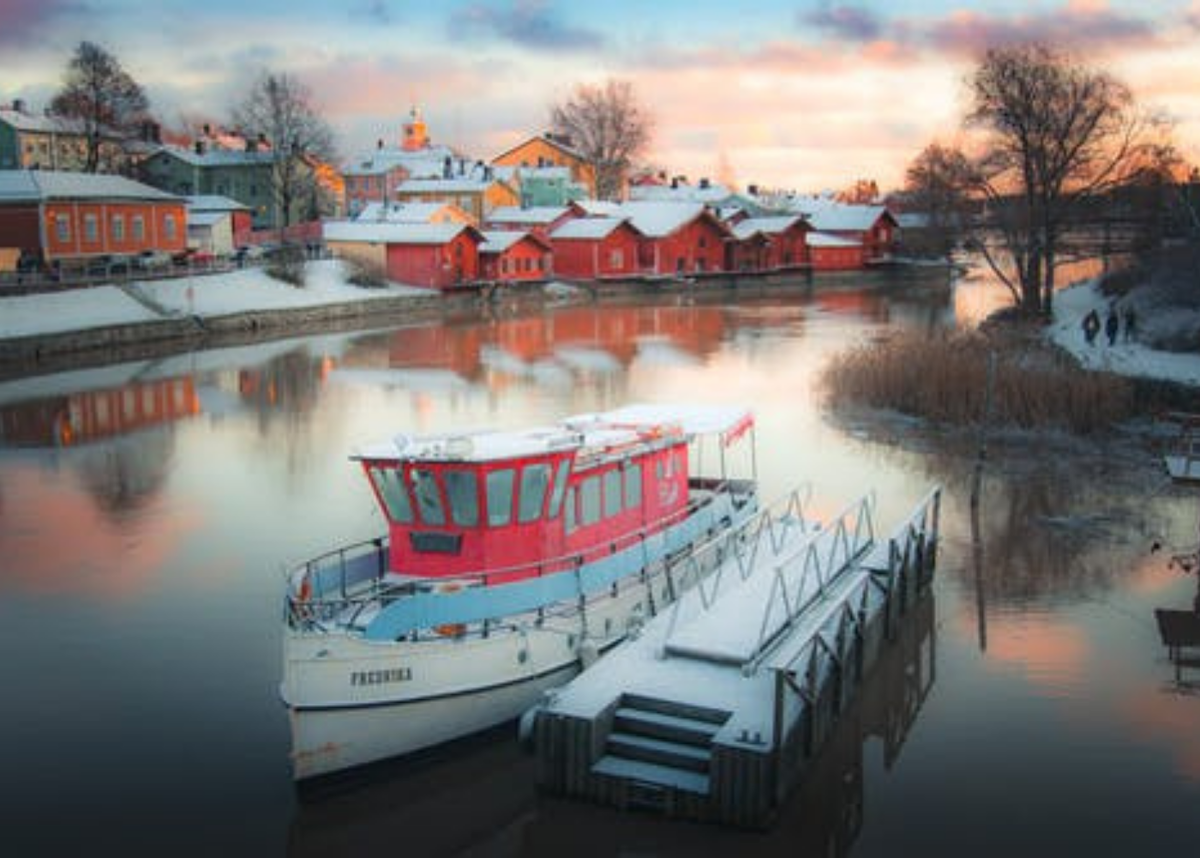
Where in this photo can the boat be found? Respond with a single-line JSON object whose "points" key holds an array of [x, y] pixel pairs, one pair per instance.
{"points": [[512, 560]]}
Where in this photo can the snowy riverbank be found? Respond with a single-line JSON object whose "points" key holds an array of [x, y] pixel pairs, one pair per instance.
{"points": [[1124, 357]]}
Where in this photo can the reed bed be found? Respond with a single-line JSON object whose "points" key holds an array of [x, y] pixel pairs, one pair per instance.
{"points": [[942, 377]]}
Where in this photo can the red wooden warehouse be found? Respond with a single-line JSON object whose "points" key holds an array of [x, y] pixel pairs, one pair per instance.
{"points": [[434, 255], [509, 255], [678, 238], [596, 247], [769, 244]]}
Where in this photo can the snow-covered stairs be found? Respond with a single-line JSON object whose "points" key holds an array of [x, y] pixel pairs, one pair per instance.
{"points": [[661, 744]]}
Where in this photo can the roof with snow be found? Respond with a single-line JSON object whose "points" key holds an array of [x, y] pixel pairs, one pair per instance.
{"points": [[766, 225], [471, 184], [589, 228], [660, 219], [824, 239], [832, 216], [540, 215], [396, 233], [205, 219], [213, 203], [407, 212], [498, 241], [703, 193], [41, 185], [46, 124], [429, 162], [215, 157]]}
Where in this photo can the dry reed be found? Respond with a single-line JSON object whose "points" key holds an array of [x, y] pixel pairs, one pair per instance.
{"points": [[943, 378]]}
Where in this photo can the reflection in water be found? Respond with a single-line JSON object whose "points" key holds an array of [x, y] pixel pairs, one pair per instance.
{"points": [[478, 797]]}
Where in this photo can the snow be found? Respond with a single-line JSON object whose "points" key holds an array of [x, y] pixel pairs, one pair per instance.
{"points": [[1124, 358], [588, 228], [660, 219], [208, 295]]}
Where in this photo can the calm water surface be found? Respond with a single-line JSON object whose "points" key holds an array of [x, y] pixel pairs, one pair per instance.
{"points": [[146, 511]]}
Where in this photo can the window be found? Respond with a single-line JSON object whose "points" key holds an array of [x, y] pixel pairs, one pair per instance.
{"points": [[633, 486], [139, 228], [118, 227], [569, 515], [429, 498], [91, 233], [703, 242], [612, 492], [391, 489], [463, 495], [560, 484], [499, 497], [616, 258], [62, 228], [535, 480], [169, 227], [589, 501]]}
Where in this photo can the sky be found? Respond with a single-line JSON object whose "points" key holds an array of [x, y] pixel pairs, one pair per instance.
{"points": [[805, 95]]}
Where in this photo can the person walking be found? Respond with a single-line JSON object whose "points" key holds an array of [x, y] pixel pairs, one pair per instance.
{"points": [[1111, 325], [1130, 323], [1091, 327]]}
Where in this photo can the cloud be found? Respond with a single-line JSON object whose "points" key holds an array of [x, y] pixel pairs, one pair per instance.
{"points": [[526, 23], [1076, 24], [849, 23], [20, 19]]}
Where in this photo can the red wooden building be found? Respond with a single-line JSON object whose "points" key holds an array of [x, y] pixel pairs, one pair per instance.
{"points": [[434, 255], [678, 238], [834, 253], [873, 227], [510, 255], [596, 247], [769, 243], [542, 220], [71, 218]]}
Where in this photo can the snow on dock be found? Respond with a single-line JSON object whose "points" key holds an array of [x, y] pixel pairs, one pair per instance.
{"points": [[712, 710]]}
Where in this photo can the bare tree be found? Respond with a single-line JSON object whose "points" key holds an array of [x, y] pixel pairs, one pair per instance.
{"points": [[936, 186], [281, 109], [607, 126], [1060, 136], [102, 96]]}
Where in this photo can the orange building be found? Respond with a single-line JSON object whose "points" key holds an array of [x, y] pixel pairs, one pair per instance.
{"points": [[550, 150], [62, 217], [477, 193]]}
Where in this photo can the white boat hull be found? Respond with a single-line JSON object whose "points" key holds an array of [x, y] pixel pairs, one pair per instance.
{"points": [[354, 701]]}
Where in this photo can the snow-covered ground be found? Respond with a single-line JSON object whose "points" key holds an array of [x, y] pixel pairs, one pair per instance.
{"points": [[204, 295], [1124, 357]]}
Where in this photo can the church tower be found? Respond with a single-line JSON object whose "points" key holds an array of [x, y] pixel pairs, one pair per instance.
{"points": [[416, 136]]}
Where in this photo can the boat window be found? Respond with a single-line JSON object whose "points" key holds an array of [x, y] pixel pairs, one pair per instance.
{"points": [[391, 489], [499, 497], [612, 492], [462, 493], [633, 486], [535, 480], [429, 498], [570, 511], [560, 485], [589, 496]]}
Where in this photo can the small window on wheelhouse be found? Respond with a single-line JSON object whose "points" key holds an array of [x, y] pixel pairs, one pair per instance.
{"points": [[570, 516], [428, 496], [612, 492], [589, 501], [462, 491], [390, 487], [535, 480], [633, 486], [499, 497], [560, 485]]}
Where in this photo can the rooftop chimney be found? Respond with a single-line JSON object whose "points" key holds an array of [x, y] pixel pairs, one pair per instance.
{"points": [[18, 105]]}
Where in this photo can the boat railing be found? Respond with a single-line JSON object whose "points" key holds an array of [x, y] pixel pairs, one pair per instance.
{"points": [[327, 586]]}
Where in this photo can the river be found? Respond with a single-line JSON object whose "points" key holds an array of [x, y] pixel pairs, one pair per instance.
{"points": [[147, 510]]}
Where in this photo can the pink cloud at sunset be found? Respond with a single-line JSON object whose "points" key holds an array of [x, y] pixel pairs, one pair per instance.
{"points": [[802, 95]]}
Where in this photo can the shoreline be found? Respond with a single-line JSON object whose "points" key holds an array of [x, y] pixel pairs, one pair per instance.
{"points": [[180, 331]]}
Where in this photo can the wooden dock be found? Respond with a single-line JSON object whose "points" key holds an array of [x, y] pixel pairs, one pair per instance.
{"points": [[714, 710]]}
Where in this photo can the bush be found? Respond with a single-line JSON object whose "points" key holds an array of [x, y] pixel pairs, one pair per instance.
{"points": [[365, 274], [287, 264], [944, 378]]}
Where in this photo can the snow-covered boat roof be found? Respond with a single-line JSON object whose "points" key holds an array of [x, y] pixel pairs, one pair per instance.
{"points": [[594, 433]]}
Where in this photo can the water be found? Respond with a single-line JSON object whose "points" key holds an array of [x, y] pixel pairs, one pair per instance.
{"points": [[146, 511]]}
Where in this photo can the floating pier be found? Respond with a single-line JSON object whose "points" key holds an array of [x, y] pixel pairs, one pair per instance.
{"points": [[714, 709]]}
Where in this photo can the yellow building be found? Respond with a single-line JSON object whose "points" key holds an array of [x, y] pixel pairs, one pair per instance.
{"points": [[550, 151], [477, 193]]}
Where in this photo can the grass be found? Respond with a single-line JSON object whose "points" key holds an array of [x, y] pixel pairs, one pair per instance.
{"points": [[942, 377]]}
